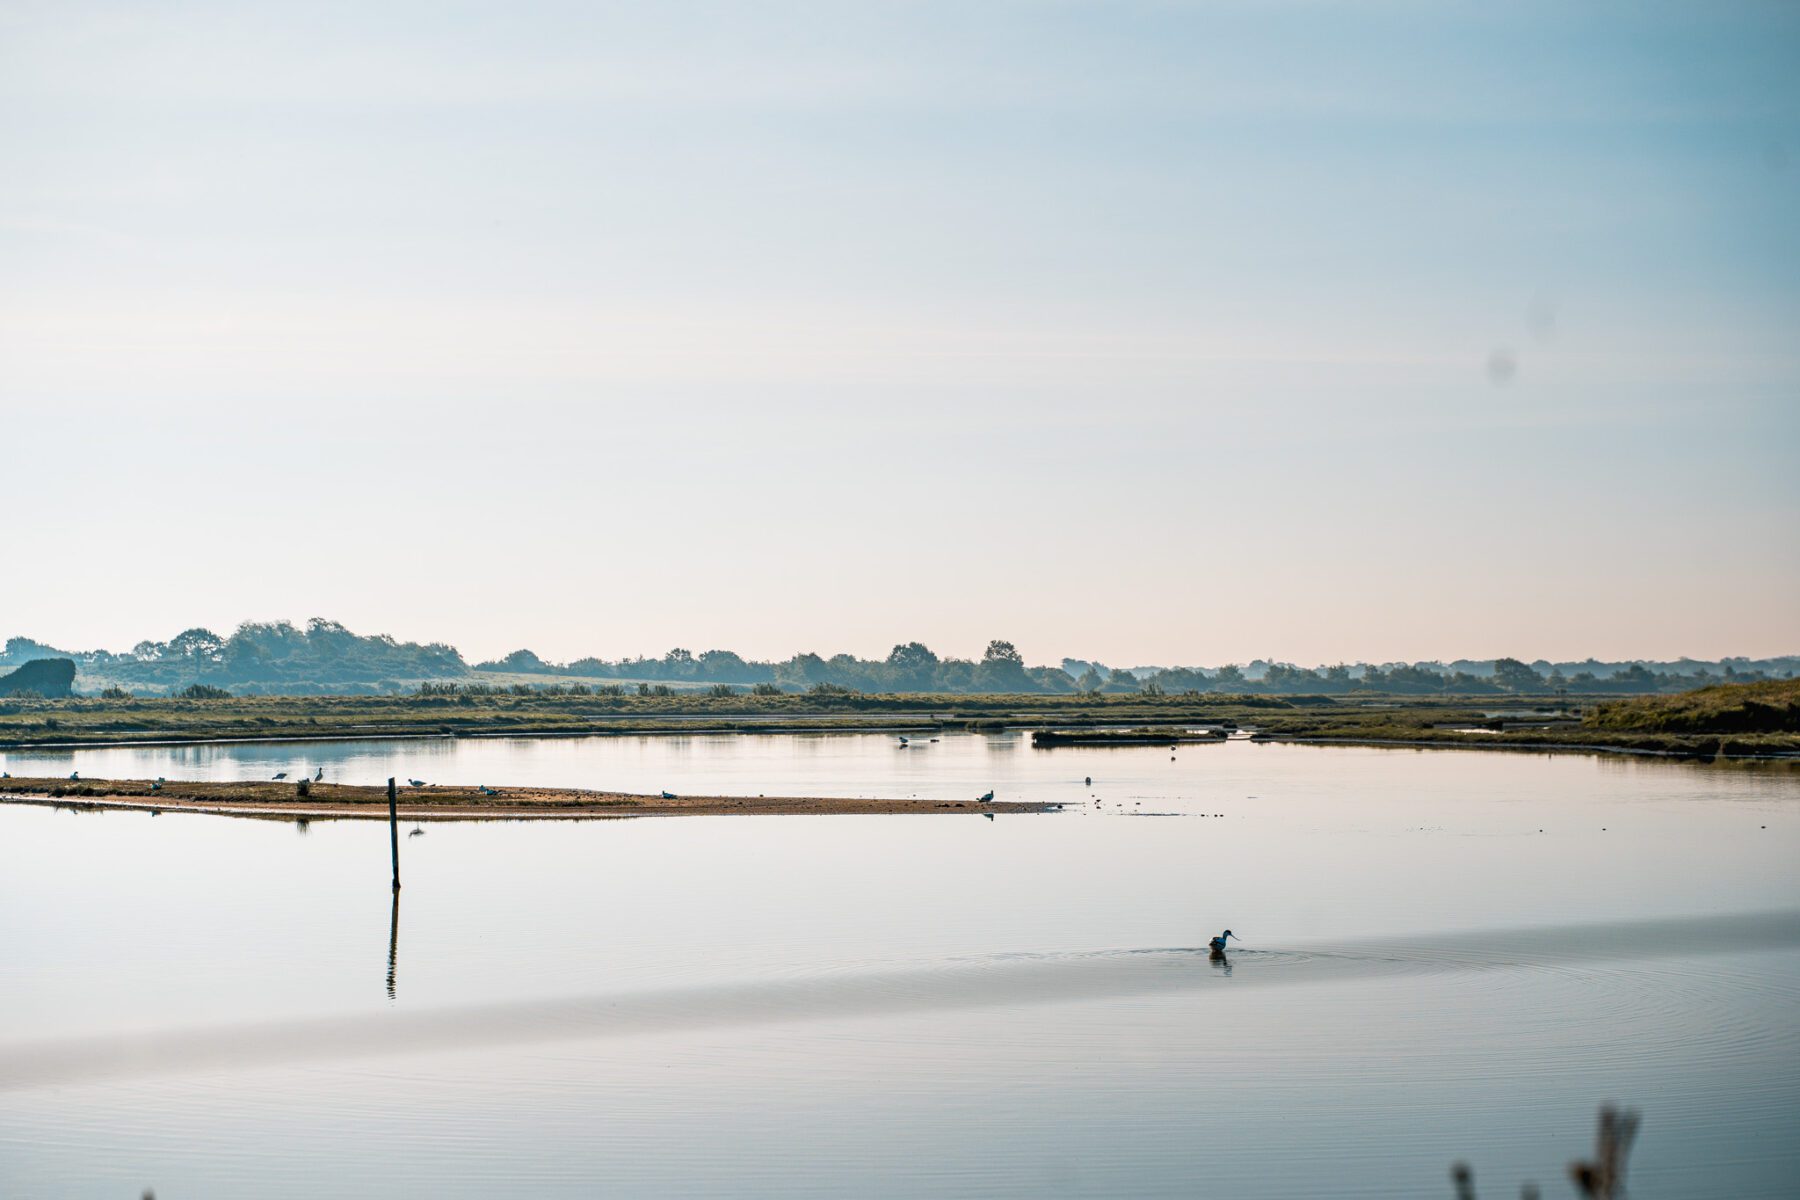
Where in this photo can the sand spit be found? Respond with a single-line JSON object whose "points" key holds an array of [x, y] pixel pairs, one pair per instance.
{"points": [[285, 801]]}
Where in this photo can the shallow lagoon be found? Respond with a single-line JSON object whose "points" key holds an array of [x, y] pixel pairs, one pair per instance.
{"points": [[937, 1005]]}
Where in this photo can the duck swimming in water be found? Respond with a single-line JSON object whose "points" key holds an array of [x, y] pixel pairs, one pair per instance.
{"points": [[1217, 945]]}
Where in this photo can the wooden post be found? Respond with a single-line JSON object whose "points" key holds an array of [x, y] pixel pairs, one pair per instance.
{"points": [[394, 828]]}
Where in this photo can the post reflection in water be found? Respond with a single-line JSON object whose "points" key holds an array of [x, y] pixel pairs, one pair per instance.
{"points": [[393, 943]]}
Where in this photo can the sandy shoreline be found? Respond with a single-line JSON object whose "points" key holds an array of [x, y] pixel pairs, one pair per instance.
{"points": [[331, 801]]}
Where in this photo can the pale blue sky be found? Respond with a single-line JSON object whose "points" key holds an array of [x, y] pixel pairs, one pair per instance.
{"points": [[1153, 332]]}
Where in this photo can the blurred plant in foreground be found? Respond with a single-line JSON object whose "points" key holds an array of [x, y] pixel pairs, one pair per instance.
{"points": [[1603, 1178]]}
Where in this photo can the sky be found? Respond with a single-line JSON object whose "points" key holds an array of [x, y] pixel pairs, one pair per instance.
{"points": [[1147, 332]]}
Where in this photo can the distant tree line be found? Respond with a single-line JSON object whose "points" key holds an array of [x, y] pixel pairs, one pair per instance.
{"points": [[323, 657], [913, 667], [260, 657]]}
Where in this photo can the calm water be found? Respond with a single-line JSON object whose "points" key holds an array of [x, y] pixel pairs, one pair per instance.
{"points": [[909, 1005]]}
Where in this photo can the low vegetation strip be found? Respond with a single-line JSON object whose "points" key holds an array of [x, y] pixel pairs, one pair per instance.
{"points": [[328, 801], [1739, 720], [37, 722]]}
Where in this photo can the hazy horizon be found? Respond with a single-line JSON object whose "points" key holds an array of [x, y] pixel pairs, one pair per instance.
{"points": [[1143, 332], [971, 653]]}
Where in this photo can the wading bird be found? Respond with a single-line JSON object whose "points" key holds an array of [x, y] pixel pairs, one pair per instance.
{"points": [[75, 775], [320, 774], [1217, 945], [987, 799], [415, 783]]}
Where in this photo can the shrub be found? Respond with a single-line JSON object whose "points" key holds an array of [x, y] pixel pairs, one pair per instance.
{"points": [[115, 692], [721, 690], [203, 691], [765, 689]]}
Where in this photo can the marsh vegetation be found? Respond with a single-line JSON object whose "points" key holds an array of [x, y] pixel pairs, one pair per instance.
{"points": [[1745, 719]]}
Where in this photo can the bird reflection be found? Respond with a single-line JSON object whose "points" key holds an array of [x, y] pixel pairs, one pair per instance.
{"points": [[393, 943], [1217, 958]]}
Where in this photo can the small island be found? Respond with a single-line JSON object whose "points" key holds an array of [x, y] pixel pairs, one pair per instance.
{"points": [[308, 801]]}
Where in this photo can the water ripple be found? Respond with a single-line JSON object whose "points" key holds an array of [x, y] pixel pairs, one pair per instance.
{"points": [[1605, 959]]}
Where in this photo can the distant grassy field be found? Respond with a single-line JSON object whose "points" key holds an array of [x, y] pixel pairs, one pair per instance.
{"points": [[1748, 720]]}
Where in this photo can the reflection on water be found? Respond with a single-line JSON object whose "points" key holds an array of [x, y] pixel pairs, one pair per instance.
{"points": [[911, 1005], [393, 944], [999, 981]]}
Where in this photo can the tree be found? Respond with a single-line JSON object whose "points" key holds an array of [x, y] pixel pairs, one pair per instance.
{"points": [[201, 645], [912, 667], [801, 672], [1002, 669], [1515, 676], [725, 665], [1121, 680], [1002, 652], [522, 662]]}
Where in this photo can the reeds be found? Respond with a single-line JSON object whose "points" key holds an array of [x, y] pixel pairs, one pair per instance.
{"points": [[1602, 1179]]}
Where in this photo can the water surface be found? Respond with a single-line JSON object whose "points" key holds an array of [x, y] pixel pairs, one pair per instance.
{"points": [[938, 1005]]}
